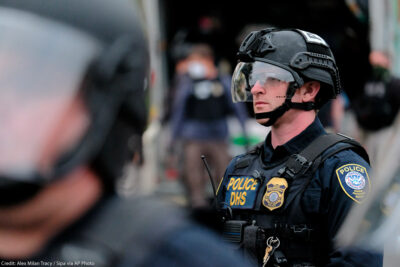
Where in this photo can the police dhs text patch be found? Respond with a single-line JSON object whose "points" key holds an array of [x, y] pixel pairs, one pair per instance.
{"points": [[241, 191], [354, 180]]}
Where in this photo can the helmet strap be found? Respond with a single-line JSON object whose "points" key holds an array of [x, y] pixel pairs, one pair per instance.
{"points": [[274, 115]]}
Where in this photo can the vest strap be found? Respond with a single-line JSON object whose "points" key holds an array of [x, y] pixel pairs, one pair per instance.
{"points": [[299, 163]]}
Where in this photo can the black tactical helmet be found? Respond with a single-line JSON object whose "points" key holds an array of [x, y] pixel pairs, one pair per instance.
{"points": [[57, 52], [303, 55]]}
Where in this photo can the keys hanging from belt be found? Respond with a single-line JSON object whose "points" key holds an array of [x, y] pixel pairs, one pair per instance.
{"points": [[272, 244]]}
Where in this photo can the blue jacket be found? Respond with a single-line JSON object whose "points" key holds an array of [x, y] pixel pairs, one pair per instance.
{"points": [[194, 129]]}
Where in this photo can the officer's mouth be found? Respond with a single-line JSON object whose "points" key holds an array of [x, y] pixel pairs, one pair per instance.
{"points": [[259, 105]]}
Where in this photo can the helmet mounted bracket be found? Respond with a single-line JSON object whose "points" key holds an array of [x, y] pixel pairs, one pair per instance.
{"points": [[304, 60]]}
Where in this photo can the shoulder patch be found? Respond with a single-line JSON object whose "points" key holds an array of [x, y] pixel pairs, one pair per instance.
{"points": [[354, 180]]}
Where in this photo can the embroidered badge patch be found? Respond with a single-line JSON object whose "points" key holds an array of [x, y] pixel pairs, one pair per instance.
{"points": [[354, 180], [241, 191], [275, 194]]}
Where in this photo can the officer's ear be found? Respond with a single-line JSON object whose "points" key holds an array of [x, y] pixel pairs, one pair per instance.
{"points": [[309, 91]]}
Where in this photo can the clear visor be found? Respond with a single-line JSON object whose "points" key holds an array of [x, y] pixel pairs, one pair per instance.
{"points": [[247, 75], [42, 64]]}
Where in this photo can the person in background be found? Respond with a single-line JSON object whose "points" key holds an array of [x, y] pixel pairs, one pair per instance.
{"points": [[72, 115], [377, 108], [199, 115]]}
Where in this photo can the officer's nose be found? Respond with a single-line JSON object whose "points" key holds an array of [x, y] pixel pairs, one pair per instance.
{"points": [[257, 89]]}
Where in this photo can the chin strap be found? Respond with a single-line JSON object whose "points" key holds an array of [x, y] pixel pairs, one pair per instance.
{"points": [[279, 111], [275, 114]]}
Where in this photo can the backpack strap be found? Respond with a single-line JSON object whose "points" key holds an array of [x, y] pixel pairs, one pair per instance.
{"points": [[310, 157]]}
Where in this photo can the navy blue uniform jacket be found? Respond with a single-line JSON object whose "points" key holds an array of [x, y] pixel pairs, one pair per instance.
{"points": [[335, 187]]}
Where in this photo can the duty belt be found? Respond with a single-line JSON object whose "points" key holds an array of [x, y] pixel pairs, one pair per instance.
{"points": [[297, 232], [251, 237], [238, 231]]}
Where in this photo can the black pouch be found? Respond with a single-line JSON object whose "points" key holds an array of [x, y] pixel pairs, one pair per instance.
{"points": [[250, 237], [233, 231]]}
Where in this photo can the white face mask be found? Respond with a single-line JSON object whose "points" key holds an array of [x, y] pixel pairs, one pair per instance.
{"points": [[196, 70]]}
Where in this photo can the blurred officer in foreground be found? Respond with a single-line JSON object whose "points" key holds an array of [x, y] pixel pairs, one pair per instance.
{"points": [[72, 80], [285, 200]]}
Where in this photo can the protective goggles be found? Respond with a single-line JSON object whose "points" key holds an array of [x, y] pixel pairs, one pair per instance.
{"points": [[247, 75], [42, 112]]}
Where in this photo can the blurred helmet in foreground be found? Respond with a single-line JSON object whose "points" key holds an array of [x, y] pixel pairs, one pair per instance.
{"points": [[72, 91]]}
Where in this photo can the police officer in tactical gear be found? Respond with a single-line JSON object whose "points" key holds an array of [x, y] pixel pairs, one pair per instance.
{"points": [[73, 76], [284, 201]]}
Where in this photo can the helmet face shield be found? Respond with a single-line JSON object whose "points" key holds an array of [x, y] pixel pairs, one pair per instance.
{"points": [[42, 113], [248, 74]]}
